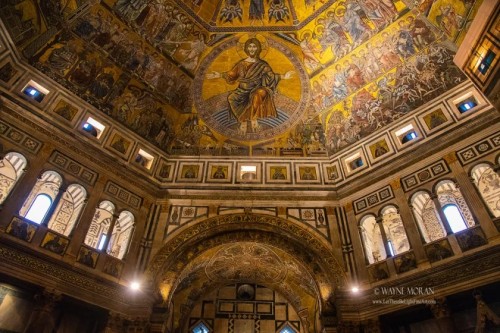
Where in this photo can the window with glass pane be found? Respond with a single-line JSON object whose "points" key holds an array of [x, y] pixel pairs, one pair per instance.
{"points": [[39, 208], [454, 218]]}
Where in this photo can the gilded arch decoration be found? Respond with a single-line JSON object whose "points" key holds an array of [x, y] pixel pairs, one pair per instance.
{"points": [[315, 254]]}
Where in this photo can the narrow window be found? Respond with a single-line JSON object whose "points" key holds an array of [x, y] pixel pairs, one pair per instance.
{"points": [[454, 218], [102, 241], [409, 136], [93, 127], [487, 61], [35, 91], [39, 208], [467, 104], [391, 248], [144, 159]]}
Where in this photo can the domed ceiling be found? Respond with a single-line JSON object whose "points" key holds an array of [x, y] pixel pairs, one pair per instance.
{"points": [[234, 77]]}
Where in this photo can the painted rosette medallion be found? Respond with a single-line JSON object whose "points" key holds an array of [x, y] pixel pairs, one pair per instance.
{"points": [[251, 89]]}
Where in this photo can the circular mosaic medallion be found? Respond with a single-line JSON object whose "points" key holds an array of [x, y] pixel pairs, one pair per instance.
{"points": [[251, 89]]}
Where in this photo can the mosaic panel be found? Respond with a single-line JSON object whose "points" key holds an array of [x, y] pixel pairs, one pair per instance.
{"points": [[378, 272], [332, 173], [19, 137], [438, 250], [113, 267], [180, 215], [471, 238], [424, 175], [21, 229], [405, 262], [313, 217], [373, 199], [165, 171], [87, 256], [7, 73], [55, 243], [479, 149], [123, 195], [74, 168]]}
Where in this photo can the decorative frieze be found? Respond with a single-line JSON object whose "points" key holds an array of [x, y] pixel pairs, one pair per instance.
{"points": [[181, 215], [425, 175], [72, 167], [479, 149], [373, 199], [123, 195], [20, 138], [313, 217], [55, 272]]}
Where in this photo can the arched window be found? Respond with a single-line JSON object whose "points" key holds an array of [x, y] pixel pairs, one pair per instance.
{"points": [[68, 209], [43, 193], [454, 217], [449, 194], [372, 239], [427, 217], [98, 230], [487, 182], [39, 208], [120, 238], [11, 169], [394, 230]]}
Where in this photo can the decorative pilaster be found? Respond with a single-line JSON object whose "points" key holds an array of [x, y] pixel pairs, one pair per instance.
{"points": [[442, 314], [115, 324], [43, 317], [352, 248], [138, 325], [148, 239], [484, 314]]}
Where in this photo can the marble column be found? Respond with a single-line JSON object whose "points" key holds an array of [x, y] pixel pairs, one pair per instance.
{"points": [[50, 212], [409, 222], [80, 230]]}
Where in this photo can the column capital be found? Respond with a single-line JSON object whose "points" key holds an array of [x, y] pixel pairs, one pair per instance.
{"points": [[450, 158], [396, 183], [441, 308]]}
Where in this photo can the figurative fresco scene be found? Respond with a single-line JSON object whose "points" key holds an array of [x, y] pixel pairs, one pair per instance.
{"points": [[55, 243], [379, 148], [234, 77], [435, 119], [65, 110]]}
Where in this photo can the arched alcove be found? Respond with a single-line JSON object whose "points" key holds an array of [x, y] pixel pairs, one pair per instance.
{"points": [[297, 264]]}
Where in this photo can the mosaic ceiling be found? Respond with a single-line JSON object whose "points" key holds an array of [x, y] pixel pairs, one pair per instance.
{"points": [[234, 77]]}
